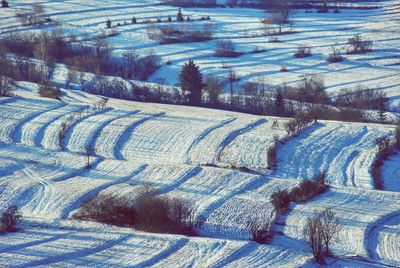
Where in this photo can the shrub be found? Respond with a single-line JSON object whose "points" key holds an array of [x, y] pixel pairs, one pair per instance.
{"points": [[284, 69], [302, 52], [48, 89], [397, 137], [33, 16], [6, 85], [4, 3], [9, 220], [169, 34], [226, 48], [335, 56], [358, 45], [108, 209], [133, 20], [281, 201], [261, 232], [323, 9], [108, 23]]}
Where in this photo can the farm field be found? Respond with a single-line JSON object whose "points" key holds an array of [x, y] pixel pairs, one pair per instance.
{"points": [[58, 153]]}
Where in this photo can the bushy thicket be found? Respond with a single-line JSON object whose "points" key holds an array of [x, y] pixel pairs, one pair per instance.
{"points": [[306, 190], [359, 46], [9, 219], [261, 231], [226, 49], [150, 213], [54, 46], [386, 148], [48, 89]]}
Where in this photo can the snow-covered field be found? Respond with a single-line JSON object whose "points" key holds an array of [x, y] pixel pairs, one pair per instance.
{"points": [[215, 159], [134, 147]]}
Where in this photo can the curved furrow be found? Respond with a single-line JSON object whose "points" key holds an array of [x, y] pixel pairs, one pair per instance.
{"points": [[93, 140], [16, 113], [68, 136], [364, 216], [80, 253], [40, 133], [127, 134], [203, 135], [87, 131], [75, 204], [228, 139], [382, 241], [187, 176], [236, 255], [29, 122], [164, 254]]}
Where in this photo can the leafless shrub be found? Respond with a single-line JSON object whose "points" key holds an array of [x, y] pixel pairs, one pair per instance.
{"points": [[226, 49], [359, 46], [281, 201], [307, 189], [35, 15], [302, 52], [335, 56]]}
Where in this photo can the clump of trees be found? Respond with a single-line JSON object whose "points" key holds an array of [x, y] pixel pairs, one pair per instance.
{"points": [[9, 219], [306, 190], [181, 33], [148, 213], [191, 3], [226, 49], [320, 232]]}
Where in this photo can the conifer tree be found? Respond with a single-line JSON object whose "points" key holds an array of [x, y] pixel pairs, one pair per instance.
{"points": [[191, 82], [179, 16]]}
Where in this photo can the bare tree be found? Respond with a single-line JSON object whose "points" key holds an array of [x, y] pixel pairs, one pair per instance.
{"points": [[321, 231], [33, 16], [314, 238], [330, 228], [89, 150]]}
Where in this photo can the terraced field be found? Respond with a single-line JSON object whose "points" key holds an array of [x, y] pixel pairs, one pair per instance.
{"points": [[133, 148]]}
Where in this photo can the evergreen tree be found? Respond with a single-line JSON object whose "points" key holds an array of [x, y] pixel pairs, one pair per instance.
{"points": [[134, 21], [108, 23], [279, 102], [4, 3], [382, 104], [191, 82], [179, 16]]}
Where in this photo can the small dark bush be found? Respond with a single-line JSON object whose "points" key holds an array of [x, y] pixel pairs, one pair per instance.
{"points": [[9, 220], [281, 201], [47, 89], [261, 233], [284, 69], [4, 3], [302, 52]]}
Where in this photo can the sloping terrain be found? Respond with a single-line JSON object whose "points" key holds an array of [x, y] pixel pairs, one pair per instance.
{"points": [[132, 149]]}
